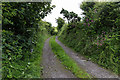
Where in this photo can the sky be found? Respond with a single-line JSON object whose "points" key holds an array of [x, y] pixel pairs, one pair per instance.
{"points": [[70, 5]]}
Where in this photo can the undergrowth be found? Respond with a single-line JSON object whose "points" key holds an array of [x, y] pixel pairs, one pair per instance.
{"points": [[17, 60], [36, 68], [106, 54], [97, 35]]}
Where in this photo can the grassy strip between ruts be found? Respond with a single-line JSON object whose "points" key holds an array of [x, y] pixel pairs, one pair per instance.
{"points": [[68, 62]]}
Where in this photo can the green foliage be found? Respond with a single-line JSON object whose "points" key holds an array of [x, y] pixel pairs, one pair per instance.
{"points": [[103, 15], [71, 16], [47, 26], [12, 55], [86, 7], [25, 17], [60, 23], [18, 63], [23, 38], [62, 29], [67, 61], [53, 32], [105, 53], [97, 37], [35, 70]]}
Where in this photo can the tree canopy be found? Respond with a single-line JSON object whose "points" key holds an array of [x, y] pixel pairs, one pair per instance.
{"points": [[71, 16], [60, 23]]}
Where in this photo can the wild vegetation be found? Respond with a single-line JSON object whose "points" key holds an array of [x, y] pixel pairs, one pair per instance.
{"points": [[97, 35], [60, 23], [23, 37]]}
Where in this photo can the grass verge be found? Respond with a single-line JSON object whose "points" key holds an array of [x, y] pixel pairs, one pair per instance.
{"points": [[68, 62]]}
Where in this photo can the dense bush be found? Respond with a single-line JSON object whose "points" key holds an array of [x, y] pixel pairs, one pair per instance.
{"points": [[12, 62], [18, 60], [24, 34], [97, 37]]}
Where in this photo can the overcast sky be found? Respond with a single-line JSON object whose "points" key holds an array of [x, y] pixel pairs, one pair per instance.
{"points": [[70, 5]]}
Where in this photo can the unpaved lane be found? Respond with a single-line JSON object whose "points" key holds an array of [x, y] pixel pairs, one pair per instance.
{"points": [[90, 67], [52, 68]]}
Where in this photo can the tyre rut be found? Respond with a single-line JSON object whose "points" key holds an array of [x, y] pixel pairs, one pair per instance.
{"points": [[52, 67]]}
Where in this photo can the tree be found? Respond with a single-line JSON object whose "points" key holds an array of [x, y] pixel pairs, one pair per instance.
{"points": [[21, 17], [86, 7], [71, 16], [60, 23]]}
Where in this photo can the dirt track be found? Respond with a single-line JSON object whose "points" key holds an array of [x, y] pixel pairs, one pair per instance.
{"points": [[89, 66], [52, 68]]}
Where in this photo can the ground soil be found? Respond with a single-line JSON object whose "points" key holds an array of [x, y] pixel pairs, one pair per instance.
{"points": [[52, 67]]}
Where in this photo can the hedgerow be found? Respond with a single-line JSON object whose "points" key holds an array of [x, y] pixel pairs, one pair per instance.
{"points": [[23, 37], [97, 37]]}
